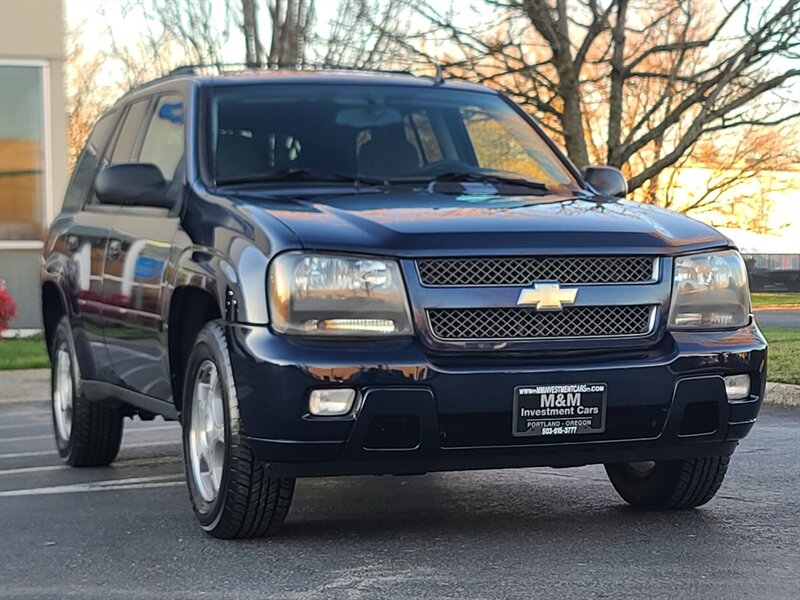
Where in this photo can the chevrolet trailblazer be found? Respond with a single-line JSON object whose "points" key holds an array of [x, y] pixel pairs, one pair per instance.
{"points": [[334, 273]]}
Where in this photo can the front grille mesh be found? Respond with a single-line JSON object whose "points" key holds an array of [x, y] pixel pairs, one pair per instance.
{"points": [[528, 323], [526, 270]]}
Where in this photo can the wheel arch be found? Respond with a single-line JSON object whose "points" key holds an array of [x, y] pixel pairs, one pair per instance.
{"points": [[190, 309], [54, 307], [209, 285]]}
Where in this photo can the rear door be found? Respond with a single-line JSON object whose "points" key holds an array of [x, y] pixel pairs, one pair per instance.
{"points": [[140, 248], [84, 244]]}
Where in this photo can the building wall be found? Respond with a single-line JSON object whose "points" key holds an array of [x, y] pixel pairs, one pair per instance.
{"points": [[31, 35]]}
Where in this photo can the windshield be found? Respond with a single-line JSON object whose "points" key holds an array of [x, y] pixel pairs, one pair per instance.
{"points": [[276, 132]]}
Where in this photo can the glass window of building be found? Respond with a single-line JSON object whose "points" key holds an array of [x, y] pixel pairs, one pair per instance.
{"points": [[22, 153]]}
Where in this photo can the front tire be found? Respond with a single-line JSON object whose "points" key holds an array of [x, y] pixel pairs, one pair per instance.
{"points": [[231, 494], [88, 434], [669, 485]]}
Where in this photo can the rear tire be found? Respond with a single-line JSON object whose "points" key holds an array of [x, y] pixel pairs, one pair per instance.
{"points": [[88, 434], [231, 493], [669, 485]]}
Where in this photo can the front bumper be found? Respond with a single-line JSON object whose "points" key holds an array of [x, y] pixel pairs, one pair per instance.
{"points": [[419, 412]]}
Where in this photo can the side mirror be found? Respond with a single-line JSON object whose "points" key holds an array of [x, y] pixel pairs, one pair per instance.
{"points": [[606, 181], [132, 184]]}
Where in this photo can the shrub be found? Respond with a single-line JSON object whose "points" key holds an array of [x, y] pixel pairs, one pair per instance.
{"points": [[8, 308]]}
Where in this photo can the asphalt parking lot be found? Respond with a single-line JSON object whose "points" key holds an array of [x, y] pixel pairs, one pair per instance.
{"points": [[127, 531]]}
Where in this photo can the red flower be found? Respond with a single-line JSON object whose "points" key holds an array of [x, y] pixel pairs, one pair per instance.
{"points": [[8, 308]]}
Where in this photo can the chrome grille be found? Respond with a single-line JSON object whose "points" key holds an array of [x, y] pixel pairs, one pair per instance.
{"points": [[525, 270], [528, 323]]}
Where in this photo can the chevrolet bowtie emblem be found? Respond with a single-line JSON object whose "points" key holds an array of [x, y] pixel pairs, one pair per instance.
{"points": [[547, 296]]}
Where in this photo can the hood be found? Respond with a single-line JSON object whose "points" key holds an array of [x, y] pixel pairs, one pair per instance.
{"points": [[427, 224]]}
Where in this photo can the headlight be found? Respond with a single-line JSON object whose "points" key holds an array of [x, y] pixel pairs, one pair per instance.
{"points": [[326, 294], [710, 291]]}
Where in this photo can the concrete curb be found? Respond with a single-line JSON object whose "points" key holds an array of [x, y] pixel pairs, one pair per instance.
{"points": [[782, 394], [29, 385]]}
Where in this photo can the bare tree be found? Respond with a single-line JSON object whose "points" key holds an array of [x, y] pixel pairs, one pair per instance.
{"points": [[192, 24], [291, 26], [291, 23], [86, 97], [732, 179], [252, 42], [196, 32], [175, 33], [364, 35], [656, 78]]}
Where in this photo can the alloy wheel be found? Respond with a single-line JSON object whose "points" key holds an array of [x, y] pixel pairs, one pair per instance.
{"points": [[63, 392], [207, 431]]}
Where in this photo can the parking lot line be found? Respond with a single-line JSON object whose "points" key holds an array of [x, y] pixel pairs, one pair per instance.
{"points": [[39, 423], [124, 464], [22, 470], [130, 483], [52, 452], [27, 454], [30, 438]]}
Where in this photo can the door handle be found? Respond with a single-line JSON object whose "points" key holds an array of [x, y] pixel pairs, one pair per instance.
{"points": [[114, 249]]}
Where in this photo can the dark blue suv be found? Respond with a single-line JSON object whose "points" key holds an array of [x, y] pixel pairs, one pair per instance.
{"points": [[348, 273]]}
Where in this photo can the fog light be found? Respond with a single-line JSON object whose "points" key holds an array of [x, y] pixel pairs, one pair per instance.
{"points": [[331, 402], [737, 387]]}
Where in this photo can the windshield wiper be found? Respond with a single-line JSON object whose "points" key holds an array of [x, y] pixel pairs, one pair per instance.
{"points": [[472, 176], [294, 174]]}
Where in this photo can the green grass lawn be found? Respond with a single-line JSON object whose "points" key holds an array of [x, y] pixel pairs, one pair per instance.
{"points": [[775, 298], [23, 354], [784, 354]]}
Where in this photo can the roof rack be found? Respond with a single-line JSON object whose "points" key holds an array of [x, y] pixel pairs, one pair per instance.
{"points": [[438, 78], [182, 70], [232, 68], [229, 68]]}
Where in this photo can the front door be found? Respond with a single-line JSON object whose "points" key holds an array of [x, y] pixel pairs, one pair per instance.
{"points": [[138, 260]]}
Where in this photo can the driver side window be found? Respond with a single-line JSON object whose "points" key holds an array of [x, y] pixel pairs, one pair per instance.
{"points": [[163, 141]]}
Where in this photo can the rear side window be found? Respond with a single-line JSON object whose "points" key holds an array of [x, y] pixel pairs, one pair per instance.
{"points": [[87, 164], [163, 142]]}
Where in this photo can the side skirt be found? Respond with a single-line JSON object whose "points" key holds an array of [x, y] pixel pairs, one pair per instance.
{"points": [[102, 391]]}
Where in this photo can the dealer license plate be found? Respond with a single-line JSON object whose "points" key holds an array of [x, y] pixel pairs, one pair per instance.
{"points": [[559, 409]]}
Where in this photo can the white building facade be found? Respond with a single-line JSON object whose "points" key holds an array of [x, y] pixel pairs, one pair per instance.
{"points": [[33, 143]]}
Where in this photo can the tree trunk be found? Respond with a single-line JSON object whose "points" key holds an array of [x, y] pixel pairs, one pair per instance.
{"points": [[555, 29], [291, 23], [572, 117], [615, 108], [250, 29]]}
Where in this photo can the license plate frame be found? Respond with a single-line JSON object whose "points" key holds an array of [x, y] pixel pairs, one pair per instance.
{"points": [[559, 409]]}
